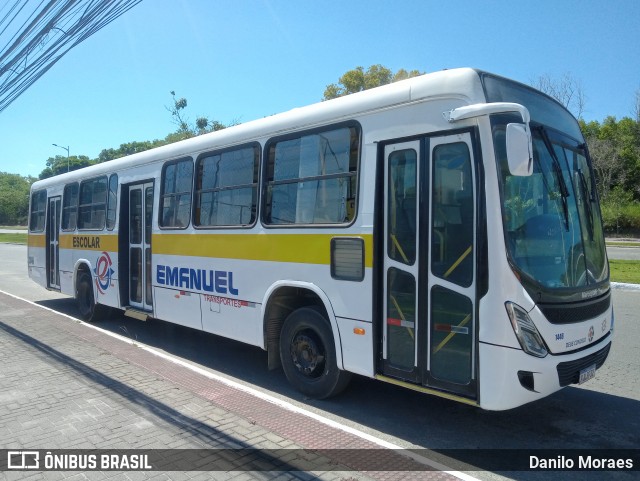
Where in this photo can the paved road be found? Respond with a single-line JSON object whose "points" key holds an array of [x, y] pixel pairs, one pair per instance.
{"points": [[603, 413], [626, 253]]}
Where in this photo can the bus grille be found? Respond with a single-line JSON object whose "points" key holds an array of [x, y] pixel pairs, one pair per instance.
{"points": [[575, 312], [569, 372]]}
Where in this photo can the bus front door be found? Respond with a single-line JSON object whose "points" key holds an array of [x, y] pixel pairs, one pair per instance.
{"points": [[429, 276], [53, 243], [140, 219]]}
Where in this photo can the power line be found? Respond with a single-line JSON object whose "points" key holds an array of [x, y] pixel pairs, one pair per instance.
{"points": [[35, 34]]}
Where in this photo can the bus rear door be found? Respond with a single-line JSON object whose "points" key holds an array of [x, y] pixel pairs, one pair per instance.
{"points": [[53, 243], [135, 241]]}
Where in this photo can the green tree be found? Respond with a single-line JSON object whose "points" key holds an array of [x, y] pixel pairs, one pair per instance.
{"points": [[614, 208], [61, 164], [128, 149], [615, 151], [187, 130], [14, 198], [358, 79]]}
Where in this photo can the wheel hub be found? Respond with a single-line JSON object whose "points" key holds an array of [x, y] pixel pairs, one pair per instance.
{"points": [[307, 354]]}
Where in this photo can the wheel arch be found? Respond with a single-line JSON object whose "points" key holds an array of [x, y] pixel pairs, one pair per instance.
{"points": [[82, 265], [280, 300]]}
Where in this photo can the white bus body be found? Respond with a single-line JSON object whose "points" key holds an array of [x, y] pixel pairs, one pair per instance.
{"points": [[386, 234]]}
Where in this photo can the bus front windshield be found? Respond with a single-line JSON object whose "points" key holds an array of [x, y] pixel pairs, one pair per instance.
{"points": [[553, 228]]}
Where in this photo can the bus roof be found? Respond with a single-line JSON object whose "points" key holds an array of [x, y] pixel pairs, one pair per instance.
{"points": [[461, 83]]}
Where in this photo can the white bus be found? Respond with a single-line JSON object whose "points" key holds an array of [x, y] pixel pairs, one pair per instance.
{"points": [[441, 233]]}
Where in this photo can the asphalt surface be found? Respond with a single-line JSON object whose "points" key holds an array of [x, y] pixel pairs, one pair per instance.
{"points": [[624, 253]]}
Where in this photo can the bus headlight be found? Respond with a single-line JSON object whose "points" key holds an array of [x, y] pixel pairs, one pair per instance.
{"points": [[526, 332]]}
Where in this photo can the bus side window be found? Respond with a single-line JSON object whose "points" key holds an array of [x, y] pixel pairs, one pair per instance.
{"points": [[70, 206], [227, 187], [112, 201], [92, 204], [175, 198], [38, 210], [310, 178]]}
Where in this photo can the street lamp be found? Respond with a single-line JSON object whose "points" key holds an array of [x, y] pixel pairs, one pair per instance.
{"points": [[64, 148]]}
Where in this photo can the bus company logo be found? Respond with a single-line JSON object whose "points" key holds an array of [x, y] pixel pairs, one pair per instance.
{"points": [[591, 333], [103, 272]]}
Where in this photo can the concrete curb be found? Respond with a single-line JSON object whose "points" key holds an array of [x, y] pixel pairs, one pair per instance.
{"points": [[625, 286]]}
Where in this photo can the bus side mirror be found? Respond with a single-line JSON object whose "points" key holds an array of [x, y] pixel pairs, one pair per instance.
{"points": [[519, 150]]}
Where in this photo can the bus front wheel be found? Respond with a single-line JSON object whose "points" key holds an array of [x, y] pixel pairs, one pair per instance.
{"points": [[308, 354], [89, 310]]}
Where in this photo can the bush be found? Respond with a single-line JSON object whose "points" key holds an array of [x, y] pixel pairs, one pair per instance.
{"points": [[621, 218]]}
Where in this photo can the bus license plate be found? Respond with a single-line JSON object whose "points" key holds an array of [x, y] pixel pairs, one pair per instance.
{"points": [[587, 373]]}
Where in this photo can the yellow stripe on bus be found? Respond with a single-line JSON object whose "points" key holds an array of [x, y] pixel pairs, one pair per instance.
{"points": [[300, 248], [94, 242], [37, 240]]}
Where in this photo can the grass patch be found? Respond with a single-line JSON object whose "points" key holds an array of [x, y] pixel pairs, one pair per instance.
{"points": [[14, 238], [625, 271]]}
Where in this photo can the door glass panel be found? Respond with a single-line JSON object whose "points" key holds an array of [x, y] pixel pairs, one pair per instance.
{"points": [[135, 208], [451, 336], [401, 318], [147, 264], [52, 265], [452, 214], [136, 274], [148, 217], [54, 252], [402, 206], [148, 211], [140, 224]]}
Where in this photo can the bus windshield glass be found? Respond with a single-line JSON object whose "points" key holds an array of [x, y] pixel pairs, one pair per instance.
{"points": [[553, 228]]}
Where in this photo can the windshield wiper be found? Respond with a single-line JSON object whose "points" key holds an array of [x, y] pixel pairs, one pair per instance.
{"points": [[564, 191], [588, 199]]}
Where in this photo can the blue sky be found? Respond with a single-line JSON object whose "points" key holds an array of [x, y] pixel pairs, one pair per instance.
{"points": [[245, 59]]}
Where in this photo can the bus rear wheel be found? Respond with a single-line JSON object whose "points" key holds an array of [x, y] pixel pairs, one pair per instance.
{"points": [[308, 354], [87, 307]]}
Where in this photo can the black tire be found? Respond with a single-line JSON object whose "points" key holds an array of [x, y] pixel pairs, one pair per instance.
{"points": [[87, 307], [308, 354]]}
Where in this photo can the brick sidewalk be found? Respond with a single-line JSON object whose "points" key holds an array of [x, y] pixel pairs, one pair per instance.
{"points": [[64, 385]]}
